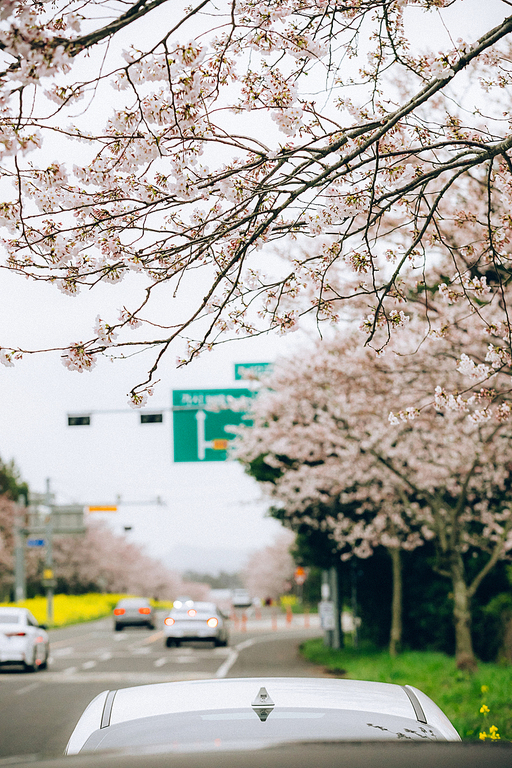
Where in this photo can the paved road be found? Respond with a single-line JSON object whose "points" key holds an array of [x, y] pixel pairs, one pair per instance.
{"points": [[39, 710]]}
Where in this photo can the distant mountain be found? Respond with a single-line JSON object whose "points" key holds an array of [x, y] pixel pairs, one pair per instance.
{"points": [[184, 557]]}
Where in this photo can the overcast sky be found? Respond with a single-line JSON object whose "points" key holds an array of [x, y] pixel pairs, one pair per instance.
{"points": [[208, 505]]}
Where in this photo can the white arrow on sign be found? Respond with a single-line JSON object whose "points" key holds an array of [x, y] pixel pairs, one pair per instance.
{"points": [[202, 444], [219, 444]]}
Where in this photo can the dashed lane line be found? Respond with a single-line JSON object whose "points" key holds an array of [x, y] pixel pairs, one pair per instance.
{"points": [[27, 688], [235, 651], [123, 678]]}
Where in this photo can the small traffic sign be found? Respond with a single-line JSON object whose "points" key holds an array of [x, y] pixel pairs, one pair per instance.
{"points": [[326, 612], [245, 371], [36, 542], [300, 575], [47, 573]]}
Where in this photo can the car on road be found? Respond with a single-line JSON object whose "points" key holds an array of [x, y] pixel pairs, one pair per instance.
{"points": [[256, 712], [241, 598], [196, 621], [133, 611], [22, 639], [181, 601]]}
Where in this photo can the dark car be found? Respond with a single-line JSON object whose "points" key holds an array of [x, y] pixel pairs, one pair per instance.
{"points": [[133, 611]]}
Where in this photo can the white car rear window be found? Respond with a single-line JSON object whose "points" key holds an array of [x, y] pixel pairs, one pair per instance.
{"points": [[10, 618]]}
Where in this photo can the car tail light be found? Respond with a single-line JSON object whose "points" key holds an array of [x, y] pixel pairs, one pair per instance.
{"points": [[15, 634], [119, 611], [212, 622], [192, 612], [169, 621], [40, 639], [144, 610]]}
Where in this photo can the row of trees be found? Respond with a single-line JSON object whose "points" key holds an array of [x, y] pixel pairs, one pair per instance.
{"points": [[342, 463], [269, 571], [98, 560]]}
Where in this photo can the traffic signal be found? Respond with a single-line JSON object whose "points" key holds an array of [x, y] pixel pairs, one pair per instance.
{"points": [[151, 418], [79, 421]]}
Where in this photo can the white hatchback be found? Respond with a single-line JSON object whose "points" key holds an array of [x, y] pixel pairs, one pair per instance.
{"points": [[22, 640]]}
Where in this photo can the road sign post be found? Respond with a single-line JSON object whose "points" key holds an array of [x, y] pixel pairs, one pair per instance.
{"points": [[203, 420]]}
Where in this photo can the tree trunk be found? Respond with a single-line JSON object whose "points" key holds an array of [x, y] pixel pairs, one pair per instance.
{"points": [[464, 654], [395, 639]]}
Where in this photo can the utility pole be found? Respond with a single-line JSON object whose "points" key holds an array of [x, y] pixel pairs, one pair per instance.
{"points": [[20, 534], [330, 608], [337, 634], [48, 579], [326, 609]]}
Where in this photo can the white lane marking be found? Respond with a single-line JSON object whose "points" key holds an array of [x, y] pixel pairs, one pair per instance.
{"points": [[156, 636], [234, 652], [117, 638], [69, 671], [183, 659], [227, 664], [27, 688], [160, 662], [141, 651], [105, 656], [129, 678], [89, 664], [62, 651]]}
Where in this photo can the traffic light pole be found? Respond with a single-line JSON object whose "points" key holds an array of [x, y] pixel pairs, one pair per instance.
{"points": [[20, 533], [48, 579]]}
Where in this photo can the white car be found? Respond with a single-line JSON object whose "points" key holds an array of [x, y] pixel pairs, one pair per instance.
{"points": [[252, 713], [241, 598], [196, 621], [22, 640]]}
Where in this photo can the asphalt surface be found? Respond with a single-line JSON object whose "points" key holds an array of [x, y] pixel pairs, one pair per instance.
{"points": [[38, 711]]}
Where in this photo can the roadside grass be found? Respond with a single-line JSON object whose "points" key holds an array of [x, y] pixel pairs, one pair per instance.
{"points": [[75, 609], [460, 694]]}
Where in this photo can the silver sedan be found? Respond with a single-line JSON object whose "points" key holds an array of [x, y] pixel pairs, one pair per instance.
{"points": [[133, 611]]}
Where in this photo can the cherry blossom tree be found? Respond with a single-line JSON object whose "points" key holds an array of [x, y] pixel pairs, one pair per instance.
{"points": [[265, 158], [8, 510], [269, 571], [100, 559], [337, 465]]}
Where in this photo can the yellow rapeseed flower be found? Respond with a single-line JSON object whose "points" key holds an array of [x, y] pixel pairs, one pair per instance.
{"points": [[485, 689], [484, 709], [493, 732], [483, 735]]}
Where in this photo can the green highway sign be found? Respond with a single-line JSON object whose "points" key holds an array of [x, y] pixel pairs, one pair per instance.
{"points": [[251, 370], [202, 419]]}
